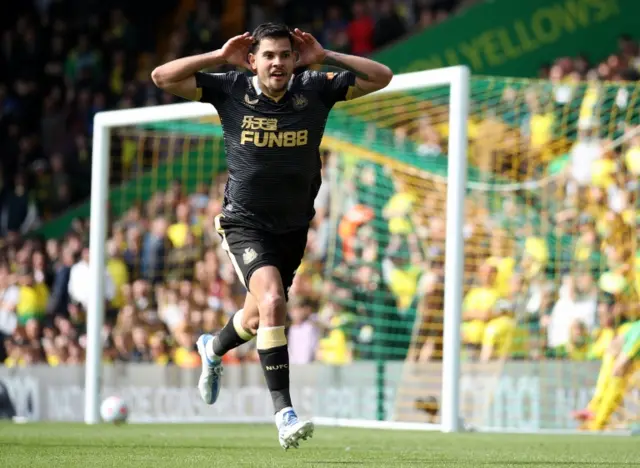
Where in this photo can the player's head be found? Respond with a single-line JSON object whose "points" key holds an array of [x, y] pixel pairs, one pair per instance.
{"points": [[272, 56]]}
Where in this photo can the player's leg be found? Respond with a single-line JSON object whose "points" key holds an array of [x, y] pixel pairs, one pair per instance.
{"points": [[606, 371], [269, 284], [240, 328], [237, 331], [614, 393], [622, 369], [602, 383], [267, 287]]}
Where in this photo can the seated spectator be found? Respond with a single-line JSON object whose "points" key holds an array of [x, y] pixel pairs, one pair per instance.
{"points": [[577, 346], [185, 355], [334, 348], [479, 307], [118, 272], [79, 282], [498, 336], [577, 302], [32, 297], [154, 249], [18, 213], [9, 297], [140, 345], [159, 350], [303, 333], [585, 152], [389, 25], [402, 277]]}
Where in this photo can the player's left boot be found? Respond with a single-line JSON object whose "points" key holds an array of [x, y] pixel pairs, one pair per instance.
{"points": [[210, 378], [291, 430]]}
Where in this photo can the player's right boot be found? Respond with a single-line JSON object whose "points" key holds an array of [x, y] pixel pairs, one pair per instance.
{"points": [[211, 376], [291, 430]]}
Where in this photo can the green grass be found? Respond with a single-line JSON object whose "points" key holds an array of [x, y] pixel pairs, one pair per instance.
{"points": [[206, 446]]}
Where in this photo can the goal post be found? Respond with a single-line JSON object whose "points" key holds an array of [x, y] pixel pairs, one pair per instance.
{"points": [[455, 78]]}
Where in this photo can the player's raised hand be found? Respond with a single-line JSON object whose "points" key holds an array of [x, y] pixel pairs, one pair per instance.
{"points": [[236, 50], [309, 49]]}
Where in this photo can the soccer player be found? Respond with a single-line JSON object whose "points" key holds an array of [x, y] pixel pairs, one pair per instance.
{"points": [[273, 123], [619, 364]]}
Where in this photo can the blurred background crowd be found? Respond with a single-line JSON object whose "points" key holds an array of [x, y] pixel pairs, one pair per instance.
{"points": [[552, 280]]}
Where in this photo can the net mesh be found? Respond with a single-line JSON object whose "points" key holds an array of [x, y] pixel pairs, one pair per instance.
{"points": [[550, 244]]}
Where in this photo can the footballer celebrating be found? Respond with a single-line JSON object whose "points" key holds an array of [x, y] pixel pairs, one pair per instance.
{"points": [[273, 122]]}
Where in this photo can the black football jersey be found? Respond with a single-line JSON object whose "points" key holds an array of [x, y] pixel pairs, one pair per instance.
{"points": [[272, 147]]}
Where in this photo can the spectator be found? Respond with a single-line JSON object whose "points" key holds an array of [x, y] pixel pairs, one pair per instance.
{"points": [[171, 279], [185, 356], [177, 232], [389, 26], [335, 30], [32, 297], [479, 306], [578, 302], [577, 348], [80, 282], [303, 333], [632, 155], [159, 351], [585, 152], [9, 297], [18, 214], [118, 272], [497, 339], [361, 30], [154, 252], [140, 344]]}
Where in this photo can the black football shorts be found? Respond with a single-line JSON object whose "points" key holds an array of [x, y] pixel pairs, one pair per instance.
{"points": [[250, 249]]}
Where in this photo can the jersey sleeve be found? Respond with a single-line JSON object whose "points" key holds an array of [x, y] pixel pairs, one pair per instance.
{"points": [[214, 87], [333, 87]]}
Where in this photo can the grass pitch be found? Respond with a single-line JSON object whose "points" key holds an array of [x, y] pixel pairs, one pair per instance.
{"points": [[169, 446]]}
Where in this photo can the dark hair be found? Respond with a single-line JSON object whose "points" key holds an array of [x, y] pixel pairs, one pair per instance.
{"points": [[270, 31]]}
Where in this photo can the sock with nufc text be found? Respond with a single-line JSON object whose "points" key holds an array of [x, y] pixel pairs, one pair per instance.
{"points": [[274, 357]]}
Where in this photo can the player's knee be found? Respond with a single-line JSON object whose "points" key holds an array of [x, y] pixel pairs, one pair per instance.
{"points": [[272, 309], [621, 367]]}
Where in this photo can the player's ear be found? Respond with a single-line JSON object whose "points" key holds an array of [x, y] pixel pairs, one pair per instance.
{"points": [[296, 56], [252, 62]]}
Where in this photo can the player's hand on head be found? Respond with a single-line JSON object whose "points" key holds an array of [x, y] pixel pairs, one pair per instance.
{"points": [[236, 50], [310, 51]]}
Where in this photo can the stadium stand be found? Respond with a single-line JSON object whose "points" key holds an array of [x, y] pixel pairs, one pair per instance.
{"points": [[167, 279], [66, 60]]}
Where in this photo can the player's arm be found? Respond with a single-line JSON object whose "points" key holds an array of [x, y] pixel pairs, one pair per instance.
{"points": [[180, 77], [370, 75]]}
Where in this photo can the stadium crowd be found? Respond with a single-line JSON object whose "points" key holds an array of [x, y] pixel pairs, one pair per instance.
{"points": [[551, 261], [536, 290], [65, 60]]}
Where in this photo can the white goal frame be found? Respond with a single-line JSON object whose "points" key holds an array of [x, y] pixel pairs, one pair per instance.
{"points": [[457, 78]]}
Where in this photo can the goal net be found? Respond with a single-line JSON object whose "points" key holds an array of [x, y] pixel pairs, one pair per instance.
{"points": [[549, 248], [535, 282]]}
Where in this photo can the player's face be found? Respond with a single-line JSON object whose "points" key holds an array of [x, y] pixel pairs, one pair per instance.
{"points": [[273, 62]]}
